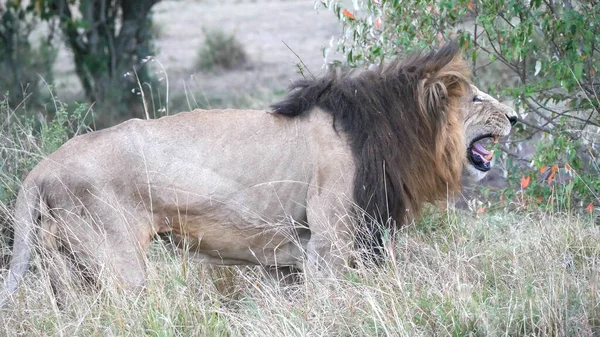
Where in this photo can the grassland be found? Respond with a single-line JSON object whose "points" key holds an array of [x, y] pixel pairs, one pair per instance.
{"points": [[525, 274]]}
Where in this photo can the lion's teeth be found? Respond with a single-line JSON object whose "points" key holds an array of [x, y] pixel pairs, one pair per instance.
{"points": [[489, 156], [496, 138]]}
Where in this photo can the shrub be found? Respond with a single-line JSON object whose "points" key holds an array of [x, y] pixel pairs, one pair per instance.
{"points": [[220, 50]]}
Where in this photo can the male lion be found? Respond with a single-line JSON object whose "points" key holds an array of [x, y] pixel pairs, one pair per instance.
{"points": [[284, 188]]}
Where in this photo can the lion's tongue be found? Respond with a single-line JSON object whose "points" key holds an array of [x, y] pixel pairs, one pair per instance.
{"points": [[482, 152]]}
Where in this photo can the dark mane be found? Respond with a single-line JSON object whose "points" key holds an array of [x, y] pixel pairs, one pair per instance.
{"points": [[405, 130]]}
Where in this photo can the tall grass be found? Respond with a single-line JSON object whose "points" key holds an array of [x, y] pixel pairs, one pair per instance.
{"points": [[25, 138], [499, 275]]}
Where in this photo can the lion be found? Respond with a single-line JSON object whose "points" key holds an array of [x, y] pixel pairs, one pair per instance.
{"points": [[289, 187]]}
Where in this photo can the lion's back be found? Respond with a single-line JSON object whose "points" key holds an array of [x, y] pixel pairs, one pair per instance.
{"points": [[87, 162], [211, 148]]}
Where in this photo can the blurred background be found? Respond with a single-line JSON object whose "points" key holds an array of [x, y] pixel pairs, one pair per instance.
{"points": [[208, 53]]}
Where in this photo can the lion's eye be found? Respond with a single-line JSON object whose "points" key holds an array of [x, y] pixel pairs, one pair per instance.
{"points": [[476, 99]]}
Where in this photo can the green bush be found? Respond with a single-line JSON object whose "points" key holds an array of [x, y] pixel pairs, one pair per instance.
{"points": [[220, 50]]}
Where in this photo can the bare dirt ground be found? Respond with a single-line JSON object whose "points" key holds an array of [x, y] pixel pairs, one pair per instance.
{"points": [[263, 27]]}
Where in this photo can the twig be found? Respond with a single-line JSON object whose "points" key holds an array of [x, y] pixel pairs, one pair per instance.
{"points": [[513, 155], [546, 130], [299, 59]]}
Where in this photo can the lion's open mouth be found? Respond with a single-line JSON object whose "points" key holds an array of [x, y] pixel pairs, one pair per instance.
{"points": [[477, 153]]}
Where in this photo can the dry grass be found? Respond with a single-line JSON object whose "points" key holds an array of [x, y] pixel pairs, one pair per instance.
{"points": [[515, 275]]}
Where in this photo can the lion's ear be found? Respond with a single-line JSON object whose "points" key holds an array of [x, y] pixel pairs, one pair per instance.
{"points": [[446, 80]]}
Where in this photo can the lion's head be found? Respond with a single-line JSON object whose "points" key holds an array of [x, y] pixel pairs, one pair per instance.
{"points": [[486, 120]]}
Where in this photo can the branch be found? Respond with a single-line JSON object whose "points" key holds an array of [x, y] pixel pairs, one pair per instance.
{"points": [[513, 155], [546, 130], [550, 5], [537, 111], [586, 121], [74, 40], [496, 52]]}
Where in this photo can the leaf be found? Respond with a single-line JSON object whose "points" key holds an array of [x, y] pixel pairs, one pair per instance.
{"points": [[348, 14], [543, 170], [525, 182], [568, 167], [554, 169], [578, 70], [378, 23], [538, 67], [481, 210], [590, 207]]}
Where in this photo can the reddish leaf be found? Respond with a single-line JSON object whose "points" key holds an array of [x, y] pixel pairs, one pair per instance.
{"points": [[378, 22], [539, 199], [568, 167], [543, 169], [525, 182], [348, 14], [470, 5], [481, 210], [551, 177], [590, 207]]}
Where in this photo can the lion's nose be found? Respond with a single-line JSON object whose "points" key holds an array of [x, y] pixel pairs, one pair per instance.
{"points": [[512, 119]]}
